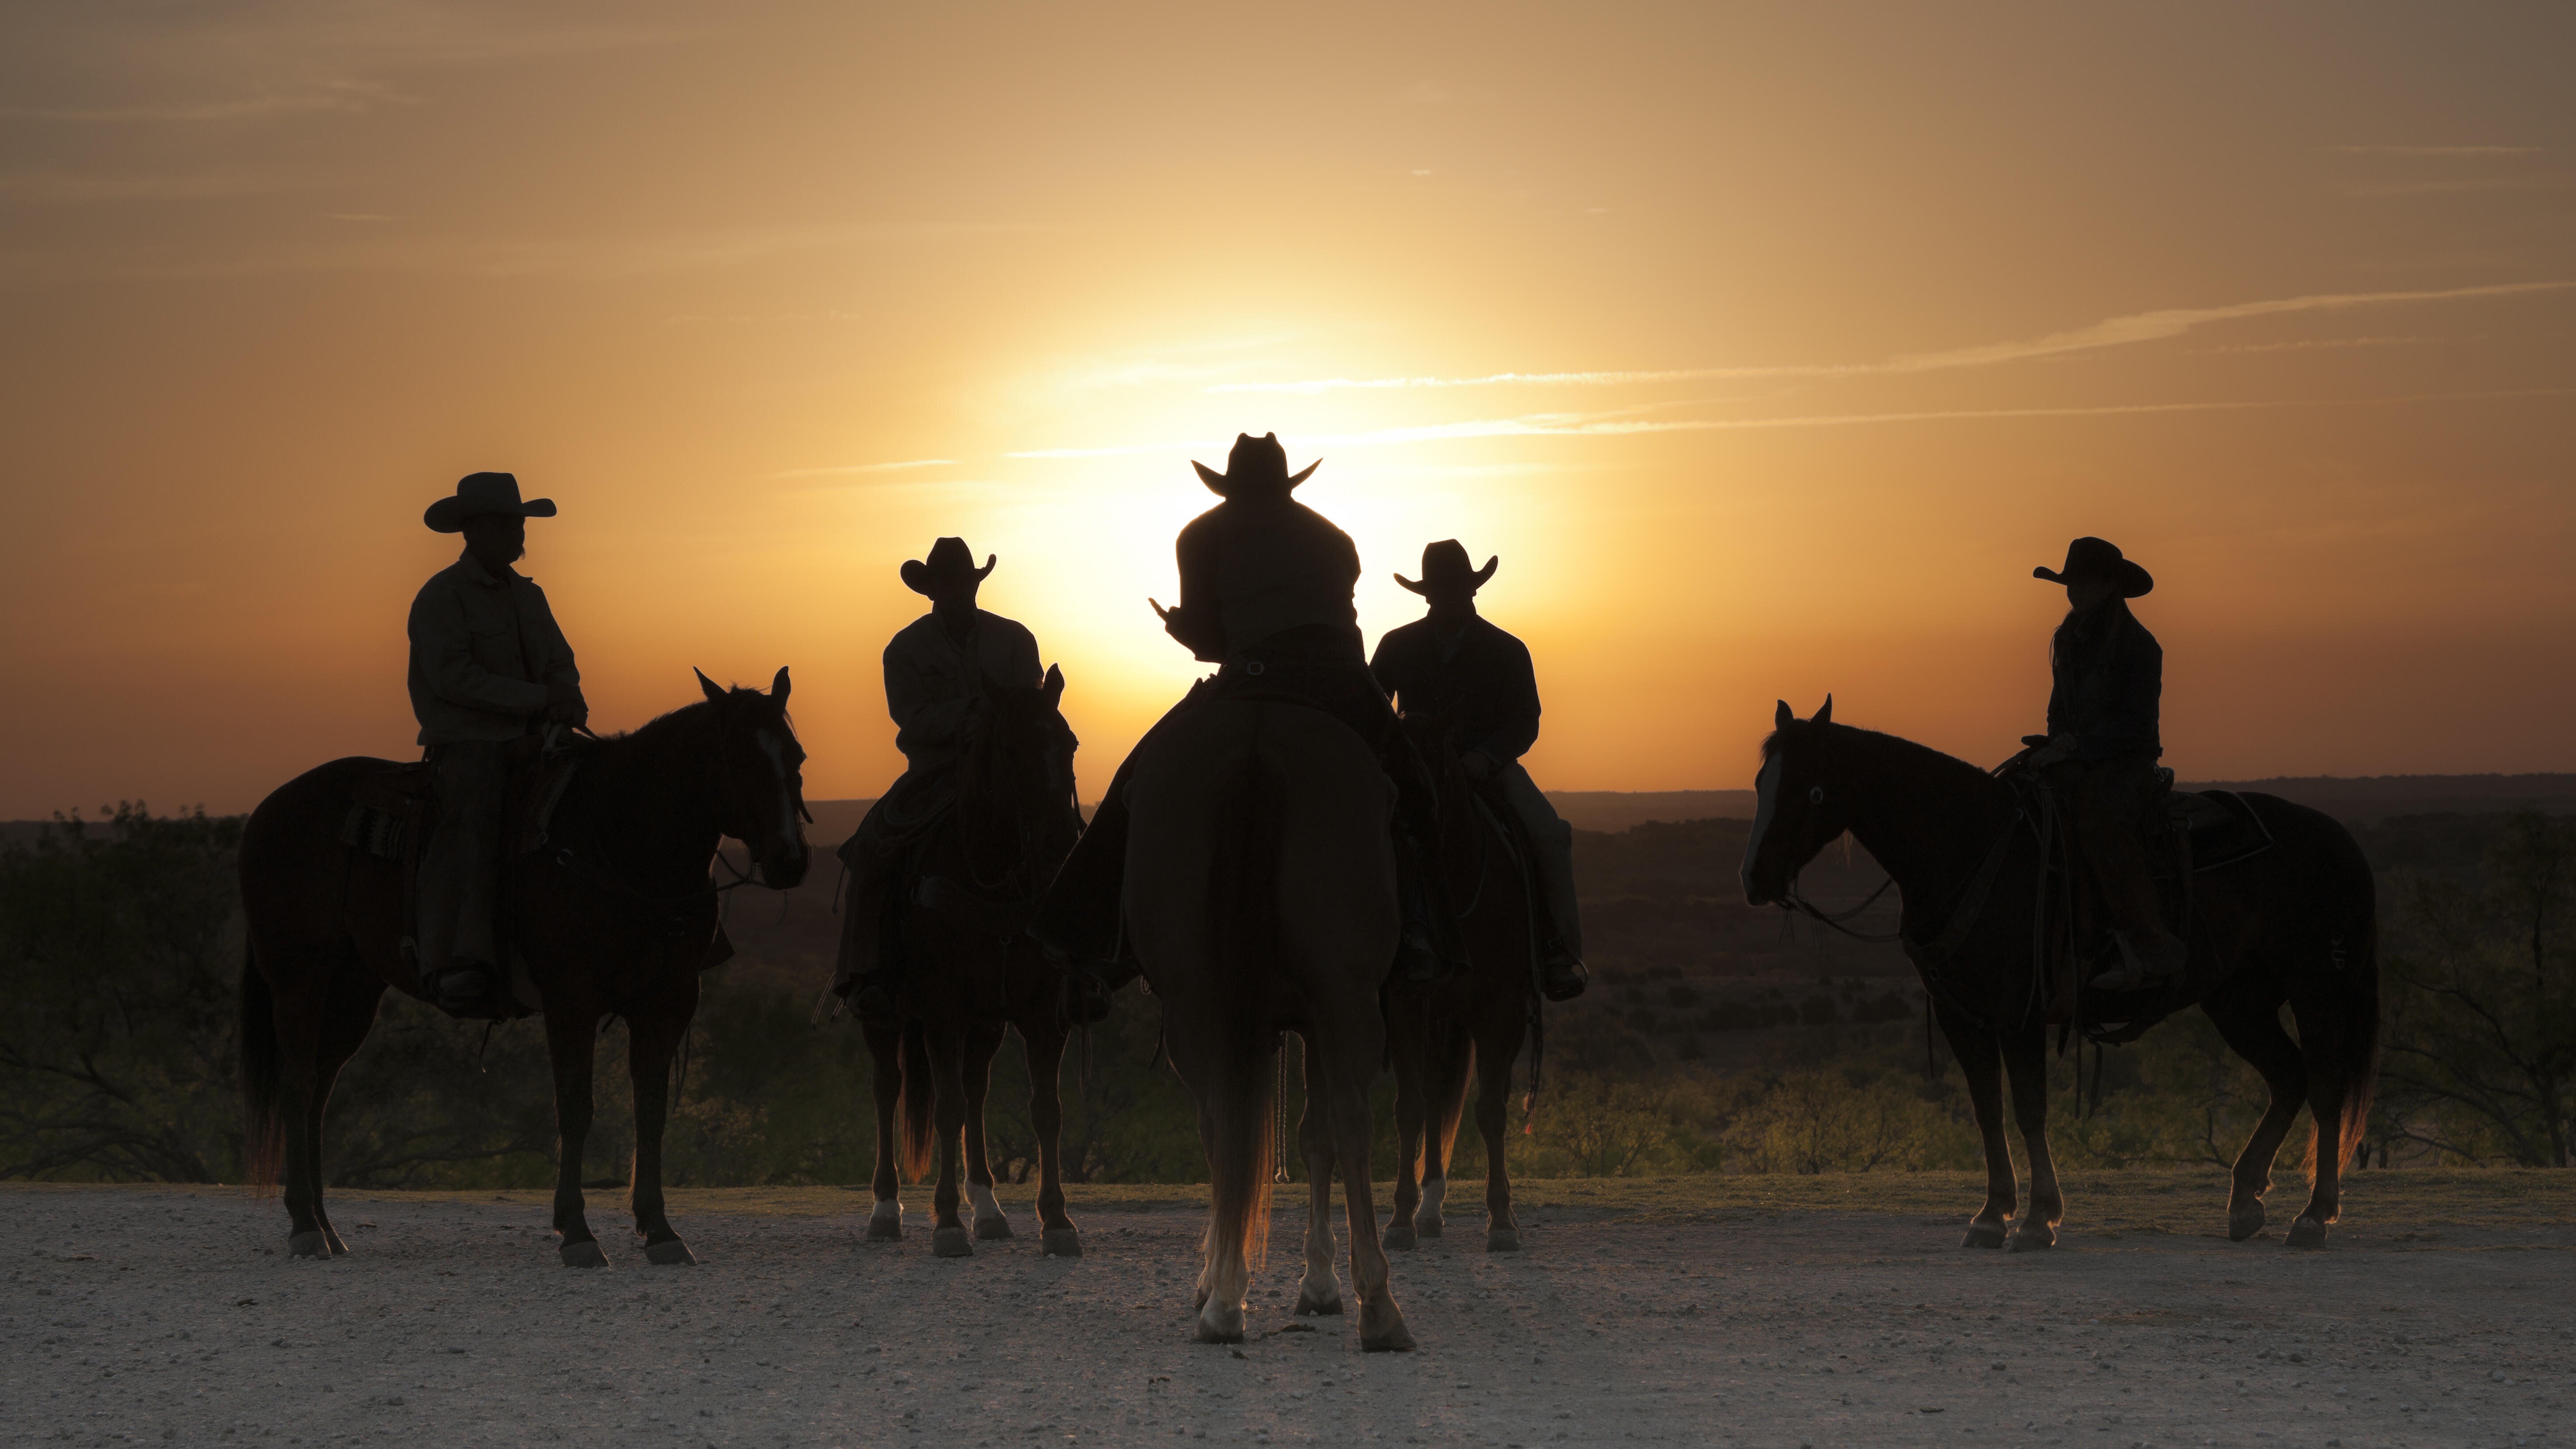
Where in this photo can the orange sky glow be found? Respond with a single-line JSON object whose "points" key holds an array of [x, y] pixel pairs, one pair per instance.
{"points": [[1769, 347]]}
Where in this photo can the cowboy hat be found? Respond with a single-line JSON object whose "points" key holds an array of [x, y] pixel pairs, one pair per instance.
{"points": [[480, 493], [1445, 568], [2093, 558], [1256, 464], [951, 563]]}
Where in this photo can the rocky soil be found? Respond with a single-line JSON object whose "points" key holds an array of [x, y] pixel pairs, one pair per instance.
{"points": [[133, 1316]]}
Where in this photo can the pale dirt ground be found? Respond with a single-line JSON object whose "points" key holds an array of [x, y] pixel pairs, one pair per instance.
{"points": [[141, 1315]]}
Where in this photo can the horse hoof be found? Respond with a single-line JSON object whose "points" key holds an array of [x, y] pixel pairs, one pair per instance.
{"points": [[1393, 1338], [2244, 1222], [671, 1253], [307, 1245], [2031, 1237], [1427, 1227], [992, 1230], [1398, 1236], [332, 1240], [951, 1243], [1502, 1240], [1060, 1243], [1220, 1332], [1984, 1235], [2307, 1232], [1316, 1306], [885, 1230], [584, 1254]]}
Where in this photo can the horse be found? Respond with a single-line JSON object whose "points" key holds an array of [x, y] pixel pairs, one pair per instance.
{"points": [[615, 916], [962, 907], [1260, 897], [2296, 923], [1440, 1030]]}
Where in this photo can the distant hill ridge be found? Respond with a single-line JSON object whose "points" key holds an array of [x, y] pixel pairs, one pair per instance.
{"points": [[2363, 799]]}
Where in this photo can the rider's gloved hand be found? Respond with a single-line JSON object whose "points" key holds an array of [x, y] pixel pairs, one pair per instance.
{"points": [[1479, 766], [2058, 748], [564, 704]]}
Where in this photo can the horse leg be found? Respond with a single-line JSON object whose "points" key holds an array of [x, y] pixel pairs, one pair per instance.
{"points": [[1445, 1095], [1981, 1062], [947, 1045], [1350, 1057], [299, 979], [568, 1046], [1057, 1235], [2026, 1057], [2323, 1044], [1495, 1050], [652, 1038], [1320, 1291], [350, 1015], [1230, 1068], [885, 1054], [983, 1041], [1408, 1030], [2250, 1023]]}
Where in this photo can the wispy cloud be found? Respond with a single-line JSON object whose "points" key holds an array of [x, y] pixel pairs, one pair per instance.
{"points": [[2437, 150], [343, 96], [70, 188], [2453, 186], [1595, 425], [2310, 345], [843, 469], [2136, 327]]}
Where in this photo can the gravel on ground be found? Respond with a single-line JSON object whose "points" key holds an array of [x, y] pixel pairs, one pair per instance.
{"points": [[141, 1315]]}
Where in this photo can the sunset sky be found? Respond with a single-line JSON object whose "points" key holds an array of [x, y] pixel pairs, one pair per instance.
{"points": [[1769, 347]]}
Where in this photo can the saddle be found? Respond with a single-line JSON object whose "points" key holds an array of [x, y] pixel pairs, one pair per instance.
{"points": [[2189, 834], [393, 811]]}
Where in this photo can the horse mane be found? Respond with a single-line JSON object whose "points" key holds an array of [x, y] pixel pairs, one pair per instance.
{"points": [[1895, 749]]}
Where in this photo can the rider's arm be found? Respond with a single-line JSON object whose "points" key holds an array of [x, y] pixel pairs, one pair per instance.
{"points": [[919, 716], [1515, 726], [442, 642], [557, 667], [1197, 621]]}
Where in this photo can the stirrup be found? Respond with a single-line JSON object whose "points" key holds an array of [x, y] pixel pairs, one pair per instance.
{"points": [[1563, 980], [874, 995]]}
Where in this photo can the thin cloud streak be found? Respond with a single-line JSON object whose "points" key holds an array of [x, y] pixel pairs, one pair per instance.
{"points": [[844, 469], [1578, 425], [2436, 150], [2122, 331]]}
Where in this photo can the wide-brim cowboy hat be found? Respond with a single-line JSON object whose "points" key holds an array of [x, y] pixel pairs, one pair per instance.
{"points": [[1257, 465], [950, 564], [1445, 569], [2094, 558], [481, 493]]}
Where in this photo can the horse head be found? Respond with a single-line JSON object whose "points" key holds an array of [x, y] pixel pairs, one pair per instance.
{"points": [[1019, 757], [1800, 806], [760, 767]]}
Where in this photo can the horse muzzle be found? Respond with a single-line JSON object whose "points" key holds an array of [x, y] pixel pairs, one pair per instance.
{"points": [[784, 866]]}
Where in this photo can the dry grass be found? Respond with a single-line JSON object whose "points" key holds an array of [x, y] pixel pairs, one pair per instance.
{"points": [[2170, 1200]]}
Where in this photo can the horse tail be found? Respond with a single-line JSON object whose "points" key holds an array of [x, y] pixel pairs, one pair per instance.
{"points": [[263, 1126], [2357, 963], [915, 1102], [1243, 888], [1453, 1065]]}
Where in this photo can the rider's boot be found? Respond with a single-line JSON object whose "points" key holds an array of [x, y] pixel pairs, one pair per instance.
{"points": [[1562, 974], [869, 975], [1077, 918], [2150, 955]]}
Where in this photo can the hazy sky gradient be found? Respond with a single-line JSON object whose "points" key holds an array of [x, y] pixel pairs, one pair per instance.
{"points": [[1769, 347]]}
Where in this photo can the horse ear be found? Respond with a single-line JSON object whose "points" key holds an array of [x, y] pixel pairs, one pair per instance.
{"points": [[778, 686], [1782, 717], [1825, 714], [1054, 685], [707, 684]]}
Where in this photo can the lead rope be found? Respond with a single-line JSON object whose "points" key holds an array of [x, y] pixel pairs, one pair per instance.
{"points": [[1279, 1115]]}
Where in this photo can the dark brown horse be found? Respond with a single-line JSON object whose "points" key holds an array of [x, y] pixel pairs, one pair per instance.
{"points": [[2295, 923], [614, 917], [1440, 1032], [962, 905]]}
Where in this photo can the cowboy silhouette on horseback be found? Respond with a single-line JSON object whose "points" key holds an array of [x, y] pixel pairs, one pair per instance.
{"points": [[1266, 595], [2107, 674], [489, 666], [940, 671], [1455, 666]]}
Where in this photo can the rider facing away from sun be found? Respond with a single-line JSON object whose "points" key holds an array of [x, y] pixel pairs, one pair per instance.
{"points": [[938, 671], [1455, 665], [1266, 586], [488, 666], [2107, 677]]}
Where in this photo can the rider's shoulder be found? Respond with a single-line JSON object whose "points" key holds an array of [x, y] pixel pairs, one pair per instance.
{"points": [[1004, 625]]}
